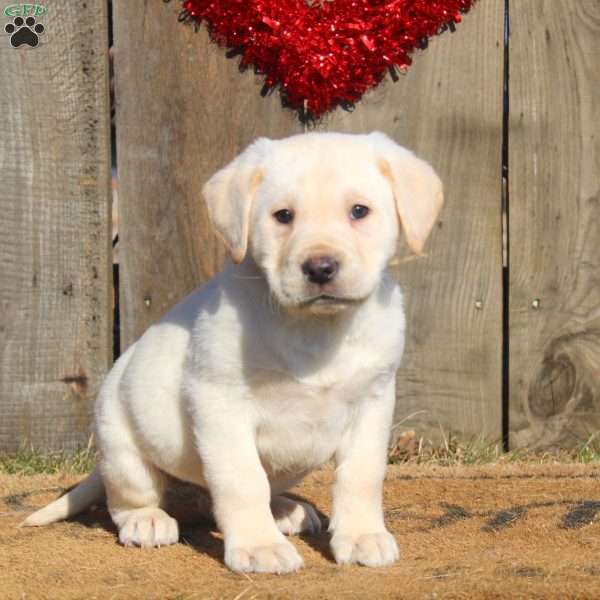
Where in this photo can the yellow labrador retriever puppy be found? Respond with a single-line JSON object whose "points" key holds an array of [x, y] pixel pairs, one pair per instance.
{"points": [[281, 362]]}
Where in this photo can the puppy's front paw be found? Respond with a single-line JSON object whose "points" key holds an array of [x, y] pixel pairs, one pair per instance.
{"points": [[369, 549], [293, 517], [280, 557], [149, 527]]}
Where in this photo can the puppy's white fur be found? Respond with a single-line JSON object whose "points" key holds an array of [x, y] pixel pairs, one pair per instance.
{"points": [[261, 375]]}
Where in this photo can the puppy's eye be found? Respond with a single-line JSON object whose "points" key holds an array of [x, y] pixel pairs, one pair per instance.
{"points": [[284, 216], [359, 211]]}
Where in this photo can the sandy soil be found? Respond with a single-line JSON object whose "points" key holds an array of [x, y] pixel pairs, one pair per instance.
{"points": [[495, 532]]}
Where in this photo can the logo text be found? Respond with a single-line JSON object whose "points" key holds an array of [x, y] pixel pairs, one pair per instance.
{"points": [[24, 10]]}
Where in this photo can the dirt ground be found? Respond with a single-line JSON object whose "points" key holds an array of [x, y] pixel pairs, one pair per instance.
{"points": [[510, 531]]}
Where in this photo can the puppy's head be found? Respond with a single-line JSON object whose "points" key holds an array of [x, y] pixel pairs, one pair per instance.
{"points": [[320, 213]]}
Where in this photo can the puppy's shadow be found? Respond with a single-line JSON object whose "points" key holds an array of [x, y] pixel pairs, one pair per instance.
{"points": [[196, 529], [96, 517], [199, 530], [319, 541]]}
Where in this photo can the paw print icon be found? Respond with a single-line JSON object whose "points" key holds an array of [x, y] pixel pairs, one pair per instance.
{"points": [[24, 32]]}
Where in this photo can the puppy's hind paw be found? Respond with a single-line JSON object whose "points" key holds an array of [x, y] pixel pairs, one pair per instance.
{"points": [[279, 558], [369, 549], [149, 528], [293, 517]]}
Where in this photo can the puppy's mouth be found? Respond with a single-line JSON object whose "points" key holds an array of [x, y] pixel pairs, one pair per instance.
{"points": [[324, 300]]}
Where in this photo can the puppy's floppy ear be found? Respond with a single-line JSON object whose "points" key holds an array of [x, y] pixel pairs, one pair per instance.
{"points": [[416, 187], [229, 194]]}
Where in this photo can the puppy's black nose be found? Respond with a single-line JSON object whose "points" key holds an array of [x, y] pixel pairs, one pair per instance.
{"points": [[320, 269]]}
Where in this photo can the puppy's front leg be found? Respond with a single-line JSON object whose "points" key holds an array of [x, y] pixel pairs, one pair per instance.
{"points": [[241, 495], [359, 532]]}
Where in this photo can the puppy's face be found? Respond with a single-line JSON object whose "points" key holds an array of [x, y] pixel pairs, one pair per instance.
{"points": [[320, 214], [324, 224]]}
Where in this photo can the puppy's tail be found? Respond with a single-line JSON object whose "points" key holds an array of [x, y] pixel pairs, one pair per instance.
{"points": [[90, 490]]}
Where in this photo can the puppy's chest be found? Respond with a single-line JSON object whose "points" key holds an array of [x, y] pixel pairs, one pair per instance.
{"points": [[302, 431], [309, 394], [301, 422]]}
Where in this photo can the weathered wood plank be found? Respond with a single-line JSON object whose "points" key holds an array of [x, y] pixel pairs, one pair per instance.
{"points": [[448, 109], [554, 168], [55, 257], [184, 110]]}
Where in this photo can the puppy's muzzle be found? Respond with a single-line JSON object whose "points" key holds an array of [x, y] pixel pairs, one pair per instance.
{"points": [[320, 269]]}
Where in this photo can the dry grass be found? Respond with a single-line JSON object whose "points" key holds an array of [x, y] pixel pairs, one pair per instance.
{"points": [[28, 461], [409, 448], [482, 532], [454, 451]]}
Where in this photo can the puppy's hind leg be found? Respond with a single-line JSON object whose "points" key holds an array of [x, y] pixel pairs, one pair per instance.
{"points": [[134, 491], [292, 517]]}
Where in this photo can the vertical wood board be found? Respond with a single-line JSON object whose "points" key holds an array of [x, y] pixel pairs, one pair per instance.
{"points": [[554, 186], [184, 110], [448, 109], [55, 257]]}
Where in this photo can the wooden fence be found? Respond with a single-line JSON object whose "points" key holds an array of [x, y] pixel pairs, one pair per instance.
{"points": [[503, 312]]}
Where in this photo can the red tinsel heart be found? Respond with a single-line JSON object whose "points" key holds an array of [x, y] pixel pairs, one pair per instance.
{"points": [[323, 53]]}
